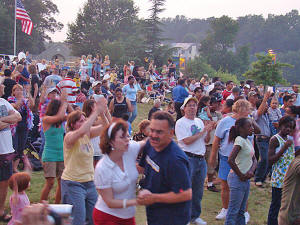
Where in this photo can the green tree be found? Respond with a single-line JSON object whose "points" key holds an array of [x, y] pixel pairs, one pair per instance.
{"points": [[153, 34], [218, 47], [292, 75], [101, 22], [42, 14], [265, 71], [198, 66]]}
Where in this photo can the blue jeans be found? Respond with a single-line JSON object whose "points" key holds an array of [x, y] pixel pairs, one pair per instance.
{"points": [[83, 197], [239, 193], [275, 206], [262, 166], [198, 174], [133, 114]]}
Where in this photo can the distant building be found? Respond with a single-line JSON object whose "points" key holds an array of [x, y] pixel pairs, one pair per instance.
{"points": [[186, 50], [56, 50]]}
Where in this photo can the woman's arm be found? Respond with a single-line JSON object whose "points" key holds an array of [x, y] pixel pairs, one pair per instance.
{"points": [[272, 155], [214, 151], [73, 136], [108, 197], [231, 161], [130, 109], [58, 117], [111, 106]]}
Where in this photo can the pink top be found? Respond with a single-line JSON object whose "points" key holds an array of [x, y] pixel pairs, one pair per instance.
{"points": [[296, 135], [16, 210]]}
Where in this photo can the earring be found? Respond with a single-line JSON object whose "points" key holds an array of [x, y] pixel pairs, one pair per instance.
{"points": [[112, 148]]}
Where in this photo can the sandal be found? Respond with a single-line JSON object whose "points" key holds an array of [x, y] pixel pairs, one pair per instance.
{"points": [[5, 217]]}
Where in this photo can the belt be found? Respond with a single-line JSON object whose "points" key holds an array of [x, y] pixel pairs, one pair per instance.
{"points": [[194, 155], [262, 138]]}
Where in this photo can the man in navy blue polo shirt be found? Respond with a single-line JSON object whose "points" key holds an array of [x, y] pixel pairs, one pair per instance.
{"points": [[179, 94], [167, 186]]}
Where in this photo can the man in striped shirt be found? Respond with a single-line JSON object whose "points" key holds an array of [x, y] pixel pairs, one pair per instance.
{"points": [[69, 85]]}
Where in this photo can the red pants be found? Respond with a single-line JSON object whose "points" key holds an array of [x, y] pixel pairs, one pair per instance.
{"points": [[102, 218]]}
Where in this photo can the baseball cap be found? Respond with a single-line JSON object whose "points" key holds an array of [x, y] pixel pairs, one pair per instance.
{"points": [[187, 100], [252, 93], [95, 83], [49, 90], [247, 86]]}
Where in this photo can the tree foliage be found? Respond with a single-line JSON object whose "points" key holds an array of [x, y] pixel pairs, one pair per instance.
{"points": [[153, 33], [218, 47], [42, 14], [292, 75], [100, 22], [265, 71]]}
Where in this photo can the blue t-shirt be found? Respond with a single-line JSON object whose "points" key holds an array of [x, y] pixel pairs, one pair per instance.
{"points": [[24, 74], [129, 92], [179, 94], [167, 171], [222, 132]]}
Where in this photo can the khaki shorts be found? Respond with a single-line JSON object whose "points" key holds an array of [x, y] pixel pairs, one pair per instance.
{"points": [[53, 169], [210, 170]]}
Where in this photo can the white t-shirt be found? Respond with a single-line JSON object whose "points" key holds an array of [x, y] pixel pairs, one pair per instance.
{"points": [[123, 184], [6, 145], [41, 66], [186, 128], [95, 143]]}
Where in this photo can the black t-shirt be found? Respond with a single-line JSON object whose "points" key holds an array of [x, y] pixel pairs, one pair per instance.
{"points": [[34, 80], [8, 83]]}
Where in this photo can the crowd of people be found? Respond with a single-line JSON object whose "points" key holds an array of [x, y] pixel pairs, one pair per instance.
{"points": [[82, 119]]}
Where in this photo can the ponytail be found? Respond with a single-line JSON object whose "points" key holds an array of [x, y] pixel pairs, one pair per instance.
{"points": [[235, 130], [233, 133]]}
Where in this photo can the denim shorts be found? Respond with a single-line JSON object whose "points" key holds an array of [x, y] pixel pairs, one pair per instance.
{"points": [[224, 167]]}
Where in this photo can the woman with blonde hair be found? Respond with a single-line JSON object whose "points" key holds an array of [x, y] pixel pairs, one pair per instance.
{"points": [[241, 109], [77, 180], [106, 63]]}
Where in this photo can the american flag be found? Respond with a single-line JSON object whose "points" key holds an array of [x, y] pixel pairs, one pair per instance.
{"points": [[21, 14]]}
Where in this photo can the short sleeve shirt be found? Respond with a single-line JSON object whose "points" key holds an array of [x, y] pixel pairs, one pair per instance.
{"points": [[244, 157], [6, 145], [130, 92], [186, 128], [123, 183], [167, 171], [222, 132]]}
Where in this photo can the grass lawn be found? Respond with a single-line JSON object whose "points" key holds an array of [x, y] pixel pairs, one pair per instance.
{"points": [[259, 200]]}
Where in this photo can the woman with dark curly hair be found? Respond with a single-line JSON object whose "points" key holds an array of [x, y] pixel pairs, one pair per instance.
{"points": [[116, 175]]}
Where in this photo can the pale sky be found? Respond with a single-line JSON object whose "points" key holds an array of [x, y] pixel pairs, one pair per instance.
{"points": [[189, 8]]}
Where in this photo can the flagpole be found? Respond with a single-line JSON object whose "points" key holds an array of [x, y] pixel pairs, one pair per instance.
{"points": [[15, 31]]}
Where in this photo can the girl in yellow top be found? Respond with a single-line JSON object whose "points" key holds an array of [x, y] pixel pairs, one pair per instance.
{"points": [[77, 185]]}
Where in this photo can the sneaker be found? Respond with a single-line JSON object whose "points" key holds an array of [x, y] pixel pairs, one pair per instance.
{"points": [[212, 188], [247, 217], [199, 221], [222, 214], [259, 184]]}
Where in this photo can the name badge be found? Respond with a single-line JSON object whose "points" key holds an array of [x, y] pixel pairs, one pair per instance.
{"points": [[154, 166]]}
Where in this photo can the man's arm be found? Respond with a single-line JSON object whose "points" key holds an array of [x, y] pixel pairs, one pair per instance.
{"points": [[145, 197], [12, 118]]}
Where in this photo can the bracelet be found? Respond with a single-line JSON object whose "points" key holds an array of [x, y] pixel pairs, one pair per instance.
{"points": [[124, 203]]}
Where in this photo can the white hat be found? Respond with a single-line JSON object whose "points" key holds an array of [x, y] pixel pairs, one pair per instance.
{"points": [[51, 89], [187, 100], [95, 83], [247, 86]]}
